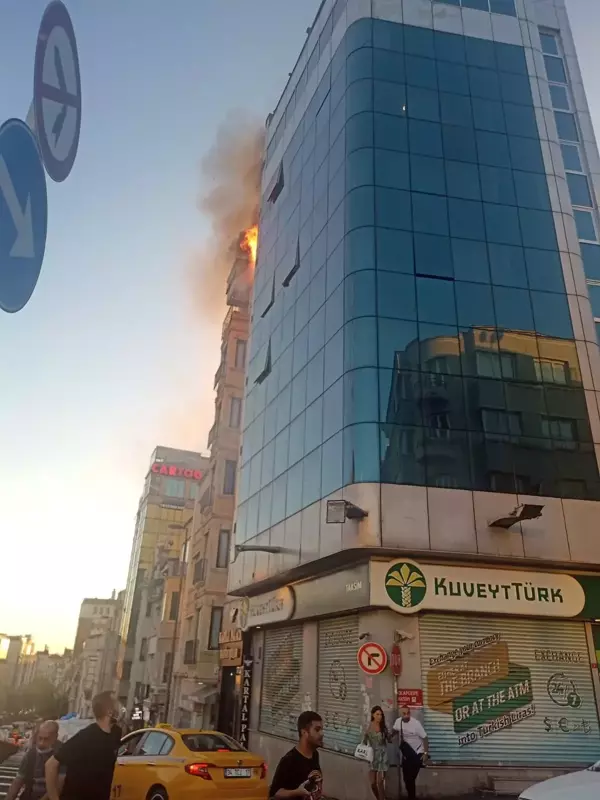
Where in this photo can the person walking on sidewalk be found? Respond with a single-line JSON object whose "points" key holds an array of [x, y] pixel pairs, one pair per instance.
{"points": [[377, 737], [31, 778], [298, 774], [414, 747], [89, 757]]}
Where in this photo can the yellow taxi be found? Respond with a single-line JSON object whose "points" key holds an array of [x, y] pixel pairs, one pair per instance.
{"points": [[167, 764]]}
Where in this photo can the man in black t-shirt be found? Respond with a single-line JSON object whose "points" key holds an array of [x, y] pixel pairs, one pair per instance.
{"points": [[298, 774], [88, 757]]}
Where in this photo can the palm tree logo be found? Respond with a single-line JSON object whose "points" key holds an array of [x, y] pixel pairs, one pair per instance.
{"points": [[405, 584]]}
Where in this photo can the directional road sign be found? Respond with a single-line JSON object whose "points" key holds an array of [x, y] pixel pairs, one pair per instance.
{"points": [[372, 658], [23, 214], [57, 91]]}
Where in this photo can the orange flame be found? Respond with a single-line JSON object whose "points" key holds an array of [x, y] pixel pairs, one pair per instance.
{"points": [[250, 243]]}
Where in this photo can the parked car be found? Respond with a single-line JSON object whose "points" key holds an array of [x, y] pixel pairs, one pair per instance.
{"points": [[582, 785], [161, 763]]}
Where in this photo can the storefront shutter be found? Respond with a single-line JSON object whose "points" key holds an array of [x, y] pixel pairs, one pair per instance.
{"points": [[281, 700], [508, 691], [339, 701]]}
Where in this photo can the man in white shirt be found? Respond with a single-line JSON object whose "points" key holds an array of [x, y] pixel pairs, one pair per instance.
{"points": [[414, 746]]}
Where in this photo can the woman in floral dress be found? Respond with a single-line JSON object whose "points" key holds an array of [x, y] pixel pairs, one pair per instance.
{"points": [[377, 736]]}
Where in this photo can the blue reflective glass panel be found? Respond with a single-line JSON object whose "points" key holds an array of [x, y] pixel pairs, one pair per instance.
{"points": [[497, 185], [470, 261], [391, 132], [591, 260], [427, 174], [474, 304], [502, 224], [551, 315], [388, 66], [584, 222], [507, 265], [537, 228], [571, 157], [466, 219], [544, 270], [462, 180], [396, 295], [513, 309], [560, 97], [555, 69], [395, 250], [391, 169], [433, 256], [566, 126], [579, 190], [430, 213], [435, 300]]}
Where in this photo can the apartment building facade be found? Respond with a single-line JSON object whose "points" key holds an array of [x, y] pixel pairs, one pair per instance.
{"points": [[198, 678], [167, 500], [419, 468]]}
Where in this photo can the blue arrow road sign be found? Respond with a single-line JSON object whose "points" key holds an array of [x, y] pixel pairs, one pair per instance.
{"points": [[23, 214], [57, 91]]}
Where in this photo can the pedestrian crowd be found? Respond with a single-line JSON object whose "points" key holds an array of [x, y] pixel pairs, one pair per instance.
{"points": [[83, 766]]}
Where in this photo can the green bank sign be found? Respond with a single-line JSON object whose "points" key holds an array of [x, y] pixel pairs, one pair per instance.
{"points": [[408, 587]]}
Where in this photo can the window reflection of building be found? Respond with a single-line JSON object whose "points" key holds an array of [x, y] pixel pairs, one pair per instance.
{"points": [[492, 411]]}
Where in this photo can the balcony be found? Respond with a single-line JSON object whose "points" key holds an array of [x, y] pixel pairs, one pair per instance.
{"points": [[212, 435], [219, 374]]}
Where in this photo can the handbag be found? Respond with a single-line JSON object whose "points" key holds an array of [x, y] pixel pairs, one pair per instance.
{"points": [[364, 752]]}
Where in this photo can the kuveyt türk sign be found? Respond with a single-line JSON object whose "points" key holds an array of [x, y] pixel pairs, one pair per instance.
{"points": [[408, 587], [247, 670]]}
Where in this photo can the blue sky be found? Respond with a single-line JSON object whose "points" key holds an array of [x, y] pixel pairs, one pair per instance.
{"points": [[112, 355]]}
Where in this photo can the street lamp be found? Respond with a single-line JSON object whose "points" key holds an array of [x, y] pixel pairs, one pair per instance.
{"points": [[176, 526]]}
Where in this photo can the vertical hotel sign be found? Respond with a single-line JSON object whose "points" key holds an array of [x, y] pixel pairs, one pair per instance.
{"points": [[247, 670]]}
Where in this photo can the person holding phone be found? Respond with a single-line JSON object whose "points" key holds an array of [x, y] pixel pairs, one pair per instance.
{"points": [[298, 774]]}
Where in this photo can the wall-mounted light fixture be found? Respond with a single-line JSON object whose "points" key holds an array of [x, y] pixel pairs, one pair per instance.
{"points": [[339, 511]]}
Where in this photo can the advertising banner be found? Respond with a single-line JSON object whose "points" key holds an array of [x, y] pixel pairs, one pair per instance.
{"points": [[508, 691]]}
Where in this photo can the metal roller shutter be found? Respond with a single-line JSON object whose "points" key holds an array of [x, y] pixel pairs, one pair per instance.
{"points": [[338, 689], [281, 700], [508, 691]]}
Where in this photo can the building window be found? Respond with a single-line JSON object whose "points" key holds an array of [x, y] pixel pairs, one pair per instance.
{"points": [[499, 424], [548, 371], [173, 487], [494, 365], [167, 667], [235, 412], [126, 674], [199, 570], [278, 186], [216, 618], [174, 607], [194, 490], [189, 653], [240, 353], [229, 480], [561, 430], [144, 649], [223, 549]]}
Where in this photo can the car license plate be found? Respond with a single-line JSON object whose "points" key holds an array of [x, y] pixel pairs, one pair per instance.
{"points": [[238, 772]]}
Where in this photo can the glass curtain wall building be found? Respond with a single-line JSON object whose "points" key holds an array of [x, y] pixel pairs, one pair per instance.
{"points": [[423, 339]]}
